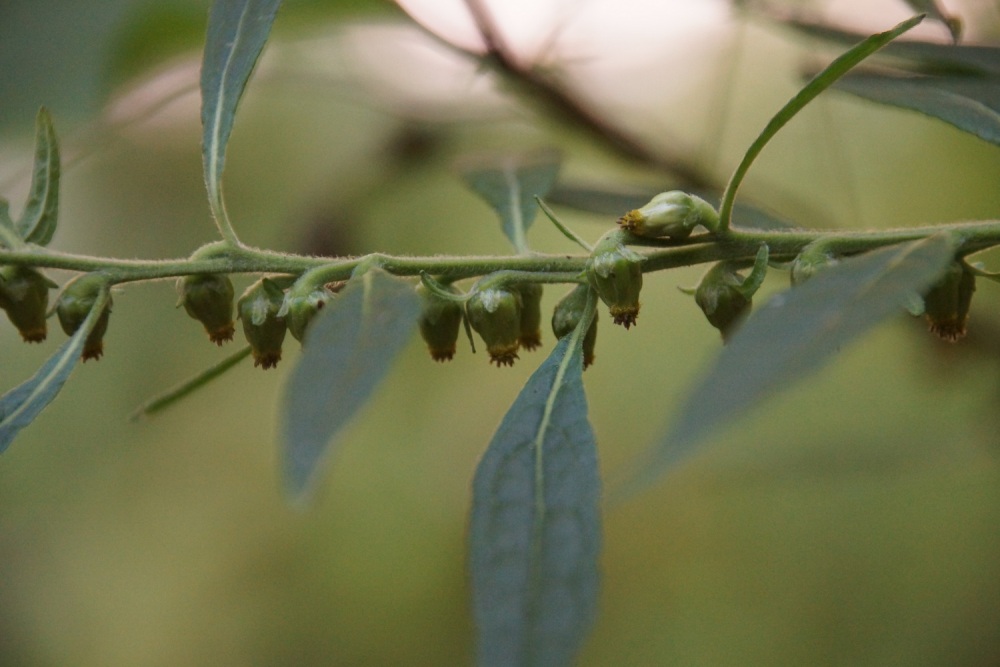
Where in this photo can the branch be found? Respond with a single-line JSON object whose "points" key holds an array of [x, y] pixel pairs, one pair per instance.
{"points": [[552, 95]]}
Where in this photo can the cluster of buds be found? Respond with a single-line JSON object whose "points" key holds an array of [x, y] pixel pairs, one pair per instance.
{"points": [[507, 318], [265, 309]]}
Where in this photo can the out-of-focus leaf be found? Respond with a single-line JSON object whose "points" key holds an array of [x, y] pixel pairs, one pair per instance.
{"points": [[189, 386], [595, 199], [794, 333], [927, 56], [971, 104], [237, 32], [9, 230], [152, 34], [826, 78], [535, 531], [349, 347], [38, 221], [510, 184], [22, 404], [934, 11]]}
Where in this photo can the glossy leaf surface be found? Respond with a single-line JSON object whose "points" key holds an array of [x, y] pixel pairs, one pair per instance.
{"points": [[510, 185], [349, 347], [535, 531], [795, 332]]}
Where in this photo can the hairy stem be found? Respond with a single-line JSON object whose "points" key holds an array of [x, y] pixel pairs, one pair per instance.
{"points": [[732, 245]]}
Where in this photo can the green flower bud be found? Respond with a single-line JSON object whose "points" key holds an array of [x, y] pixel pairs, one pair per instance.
{"points": [[673, 214], [24, 295], [440, 321], [264, 329], [615, 272], [531, 315], [75, 303], [566, 316], [303, 302], [495, 313], [814, 257], [208, 298], [721, 296], [946, 303]]}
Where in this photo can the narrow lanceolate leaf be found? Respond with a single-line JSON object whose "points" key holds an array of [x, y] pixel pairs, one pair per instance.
{"points": [[510, 185], [237, 32], [38, 222], [20, 405], [970, 103], [535, 532], [349, 347], [794, 333], [170, 396], [826, 78], [926, 56]]}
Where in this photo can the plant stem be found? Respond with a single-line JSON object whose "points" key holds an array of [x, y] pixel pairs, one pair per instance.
{"points": [[732, 245]]}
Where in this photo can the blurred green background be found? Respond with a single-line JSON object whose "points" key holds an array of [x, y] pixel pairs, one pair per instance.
{"points": [[851, 521]]}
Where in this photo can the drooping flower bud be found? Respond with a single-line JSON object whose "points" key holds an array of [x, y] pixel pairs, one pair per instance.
{"points": [[531, 315], [264, 329], [440, 321], [615, 272], [721, 297], [208, 298], [814, 258], [303, 302], [947, 302], [566, 316], [75, 303], [24, 295], [495, 313], [673, 214], [725, 296]]}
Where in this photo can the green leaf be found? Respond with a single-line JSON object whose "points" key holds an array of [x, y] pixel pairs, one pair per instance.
{"points": [[934, 11], [971, 104], [349, 347], [510, 185], [535, 531], [237, 32], [794, 333], [170, 396], [838, 68], [38, 221], [8, 232], [20, 405], [151, 34], [927, 56]]}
